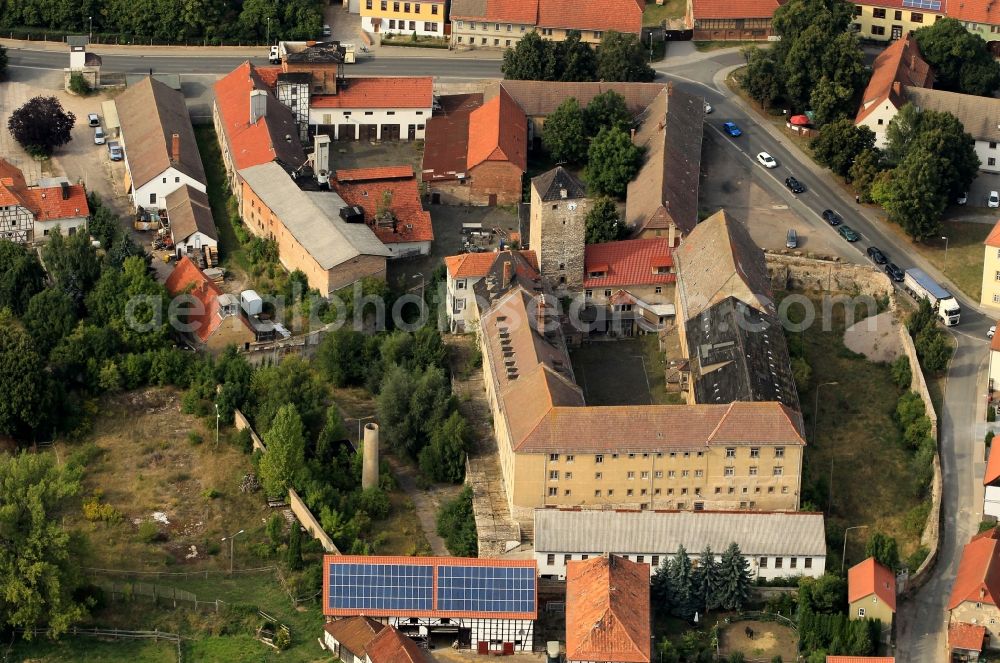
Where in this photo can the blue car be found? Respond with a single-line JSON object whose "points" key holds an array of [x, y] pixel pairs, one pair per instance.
{"points": [[731, 129]]}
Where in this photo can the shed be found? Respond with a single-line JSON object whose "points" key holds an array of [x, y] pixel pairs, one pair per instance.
{"points": [[110, 112], [251, 301]]}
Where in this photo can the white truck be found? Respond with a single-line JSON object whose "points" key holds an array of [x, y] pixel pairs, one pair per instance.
{"points": [[921, 286]]}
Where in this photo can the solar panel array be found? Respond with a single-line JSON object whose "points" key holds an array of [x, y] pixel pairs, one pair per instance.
{"points": [[934, 5], [410, 587], [381, 587], [486, 589]]}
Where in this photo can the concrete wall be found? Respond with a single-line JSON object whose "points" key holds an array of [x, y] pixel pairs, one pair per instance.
{"points": [[241, 422]]}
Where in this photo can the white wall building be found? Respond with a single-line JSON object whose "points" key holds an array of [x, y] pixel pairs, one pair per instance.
{"points": [[979, 115], [777, 544], [191, 224], [374, 108]]}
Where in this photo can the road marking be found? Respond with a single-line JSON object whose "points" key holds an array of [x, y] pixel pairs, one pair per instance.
{"points": [[694, 82]]}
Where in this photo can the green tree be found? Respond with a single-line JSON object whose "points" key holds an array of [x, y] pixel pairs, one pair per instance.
{"points": [[23, 381], [526, 61], [21, 276], [603, 222], [612, 161], [829, 100], [864, 171], [883, 548], [293, 558], [443, 459], [607, 109], [762, 77], [734, 579], [341, 355], [38, 562], [801, 373], [840, 142], [324, 451], [706, 580], [682, 585], [133, 304], [564, 134], [914, 195], [961, 59], [660, 592], [570, 60], [41, 125], [622, 57], [285, 455], [291, 382], [50, 317], [104, 226], [901, 132], [73, 263], [456, 523], [943, 135]]}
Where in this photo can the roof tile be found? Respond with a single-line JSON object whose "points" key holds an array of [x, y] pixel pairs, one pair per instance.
{"points": [[354, 633], [978, 577], [969, 637], [204, 317], [365, 188], [380, 92], [599, 15], [869, 577], [607, 610], [707, 9], [629, 262], [900, 64], [498, 131], [48, 204], [391, 646]]}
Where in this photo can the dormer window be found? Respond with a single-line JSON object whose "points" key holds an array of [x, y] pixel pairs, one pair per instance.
{"points": [[597, 271]]}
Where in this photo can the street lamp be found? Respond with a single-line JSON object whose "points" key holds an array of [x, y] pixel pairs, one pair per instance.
{"points": [[945, 252], [217, 426], [231, 540], [843, 555], [268, 30]]}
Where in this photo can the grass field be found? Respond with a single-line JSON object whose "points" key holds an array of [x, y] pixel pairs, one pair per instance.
{"points": [[655, 14], [85, 648], [964, 266], [218, 194], [855, 460]]}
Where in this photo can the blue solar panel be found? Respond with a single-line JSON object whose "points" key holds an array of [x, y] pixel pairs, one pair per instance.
{"points": [[486, 589], [381, 587], [923, 4]]}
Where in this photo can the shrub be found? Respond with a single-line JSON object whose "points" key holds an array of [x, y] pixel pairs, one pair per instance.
{"points": [[211, 494], [94, 510], [148, 531], [79, 85], [901, 374], [991, 414], [917, 558], [194, 437]]}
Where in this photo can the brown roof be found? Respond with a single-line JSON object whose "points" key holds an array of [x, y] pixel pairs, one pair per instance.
{"points": [[703, 9], [558, 184], [477, 265], [150, 113], [503, 11], [540, 98], [860, 659], [869, 577], [188, 212], [205, 317], [391, 646], [978, 577], [978, 115], [447, 138], [898, 66], [719, 259], [600, 15], [969, 637], [498, 131], [367, 187], [666, 188], [607, 610], [993, 463], [354, 633]]}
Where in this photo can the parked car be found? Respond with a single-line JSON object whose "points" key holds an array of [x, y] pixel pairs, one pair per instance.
{"points": [[962, 199], [877, 256], [326, 30], [791, 239], [99, 136], [992, 332], [832, 218], [115, 151], [274, 57], [767, 160], [731, 129], [994, 199], [848, 233], [708, 108], [894, 273], [93, 119], [794, 185]]}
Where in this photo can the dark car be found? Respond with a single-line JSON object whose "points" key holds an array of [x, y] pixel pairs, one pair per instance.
{"points": [[831, 217], [848, 233], [794, 185], [877, 256], [894, 273]]}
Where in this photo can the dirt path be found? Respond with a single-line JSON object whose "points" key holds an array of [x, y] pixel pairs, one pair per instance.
{"points": [[425, 502], [877, 338]]}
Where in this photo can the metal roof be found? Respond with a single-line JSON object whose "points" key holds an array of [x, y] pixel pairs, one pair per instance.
{"points": [[312, 217], [663, 532]]}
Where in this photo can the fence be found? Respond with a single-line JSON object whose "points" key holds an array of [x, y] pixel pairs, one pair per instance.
{"points": [[115, 634], [178, 574], [121, 39]]}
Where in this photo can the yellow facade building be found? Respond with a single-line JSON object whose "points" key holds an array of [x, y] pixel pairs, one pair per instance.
{"points": [[889, 20], [990, 297], [425, 18]]}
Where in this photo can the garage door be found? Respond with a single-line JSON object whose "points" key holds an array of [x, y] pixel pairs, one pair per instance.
{"points": [[346, 132], [390, 132]]}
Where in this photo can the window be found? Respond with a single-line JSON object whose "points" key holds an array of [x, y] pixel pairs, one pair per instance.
{"points": [[628, 492], [631, 455], [861, 612], [584, 557], [644, 475], [899, 15], [554, 475], [472, 26], [718, 489], [567, 475], [655, 560], [569, 458], [656, 491], [743, 505], [373, 112], [599, 458], [658, 290], [997, 276], [553, 492], [598, 475], [630, 475], [699, 506], [368, 4], [460, 285], [807, 562], [784, 489], [434, 11], [730, 471], [406, 8], [177, 180], [597, 493], [507, 43], [395, 6], [567, 559], [753, 470], [794, 563], [731, 490], [730, 452], [590, 293], [164, 180], [567, 492], [416, 8], [916, 17], [770, 489], [430, 27], [671, 474], [685, 473], [779, 452], [762, 562], [550, 559], [658, 474], [684, 491], [496, 42], [510, 27], [522, 28], [878, 29], [413, 25], [459, 305], [607, 293], [611, 492], [670, 491], [881, 121], [996, 298], [777, 562], [991, 161], [152, 199], [597, 34], [553, 458], [699, 473], [384, 5], [546, 32], [755, 452], [993, 146], [778, 470], [878, 12]]}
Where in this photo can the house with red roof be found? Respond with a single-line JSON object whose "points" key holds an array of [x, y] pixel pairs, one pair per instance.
{"points": [[374, 108], [724, 20], [477, 152], [31, 213], [966, 641], [871, 592], [209, 318], [860, 659], [465, 270], [389, 199], [976, 590], [634, 279], [889, 20], [608, 616], [897, 68]]}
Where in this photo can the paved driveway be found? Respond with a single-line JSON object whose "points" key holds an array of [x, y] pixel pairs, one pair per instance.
{"points": [[980, 190]]}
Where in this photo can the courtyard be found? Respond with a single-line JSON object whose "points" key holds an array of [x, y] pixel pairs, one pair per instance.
{"points": [[622, 372]]}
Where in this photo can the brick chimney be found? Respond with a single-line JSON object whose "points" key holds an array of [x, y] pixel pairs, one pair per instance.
{"points": [[175, 148], [508, 271]]}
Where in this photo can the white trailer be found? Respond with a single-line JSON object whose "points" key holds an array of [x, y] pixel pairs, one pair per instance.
{"points": [[921, 286]]}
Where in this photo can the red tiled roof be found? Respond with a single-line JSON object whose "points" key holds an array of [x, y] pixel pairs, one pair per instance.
{"points": [[899, 4], [446, 140], [477, 265], [621, 15], [263, 141], [380, 92], [269, 75], [11, 185], [203, 316], [978, 577], [504, 11], [48, 204], [498, 131], [974, 12], [993, 239], [860, 659], [391, 646], [966, 636], [607, 610], [363, 187], [869, 577], [354, 633], [995, 341], [707, 9], [897, 66], [628, 262], [993, 464]]}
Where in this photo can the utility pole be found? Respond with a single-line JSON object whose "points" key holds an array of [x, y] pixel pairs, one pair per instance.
{"points": [[231, 542], [843, 555]]}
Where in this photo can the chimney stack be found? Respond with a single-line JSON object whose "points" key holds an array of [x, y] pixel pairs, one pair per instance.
{"points": [[508, 271], [175, 148], [369, 466], [65, 190]]}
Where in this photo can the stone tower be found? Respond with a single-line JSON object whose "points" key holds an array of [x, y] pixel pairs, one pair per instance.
{"points": [[557, 231]]}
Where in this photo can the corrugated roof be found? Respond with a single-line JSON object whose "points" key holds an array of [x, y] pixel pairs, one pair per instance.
{"points": [[150, 113], [380, 92], [900, 64], [188, 211], [664, 532], [869, 577], [312, 217], [355, 633], [980, 116], [978, 577], [607, 610], [628, 263]]}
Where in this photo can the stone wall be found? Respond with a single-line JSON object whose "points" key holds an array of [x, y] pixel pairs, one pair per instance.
{"points": [[790, 272], [241, 423]]}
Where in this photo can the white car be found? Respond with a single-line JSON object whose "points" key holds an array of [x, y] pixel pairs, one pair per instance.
{"points": [[708, 108], [991, 332], [994, 199], [767, 160], [99, 136], [962, 199], [93, 119], [274, 57]]}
